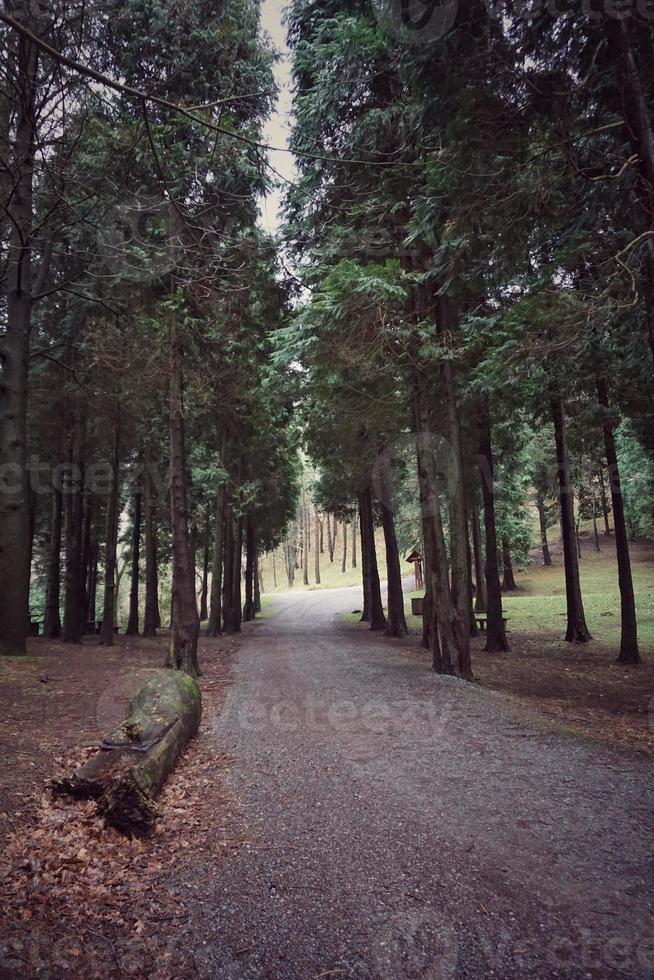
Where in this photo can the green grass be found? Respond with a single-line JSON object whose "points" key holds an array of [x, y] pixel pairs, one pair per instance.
{"points": [[539, 605], [268, 608]]}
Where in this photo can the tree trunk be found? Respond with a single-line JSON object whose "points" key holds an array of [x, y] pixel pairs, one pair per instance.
{"points": [[87, 548], [204, 590], [481, 596], [577, 631], [183, 653], [605, 505], [133, 618], [306, 535], [344, 558], [228, 573], [14, 358], [113, 514], [629, 653], [445, 655], [151, 617], [396, 625], [236, 580], [595, 528], [134, 760], [354, 539], [92, 580], [258, 580], [509, 582], [496, 641], [430, 639], [331, 537], [369, 559], [472, 619], [215, 611], [542, 518], [459, 545], [51, 618], [250, 570], [74, 604], [317, 549]]}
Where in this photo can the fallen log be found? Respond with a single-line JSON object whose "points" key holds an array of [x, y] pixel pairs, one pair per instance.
{"points": [[133, 761]]}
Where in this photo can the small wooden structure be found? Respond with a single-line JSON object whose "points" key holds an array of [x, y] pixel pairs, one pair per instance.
{"points": [[415, 558], [416, 605]]}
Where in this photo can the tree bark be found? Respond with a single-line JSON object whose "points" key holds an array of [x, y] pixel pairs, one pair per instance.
{"points": [[236, 580], [344, 558], [74, 585], [369, 559], [542, 518], [113, 514], [445, 654], [306, 535], [317, 549], [354, 540], [508, 583], [258, 580], [51, 618], [496, 641], [396, 625], [134, 760], [629, 653], [183, 653], [228, 573], [92, 579], [14, 361], [250, 570], [215, 611], [459, 546], [331, 537], [481, 596], [605, 506], [133, 618], [577, 630]]}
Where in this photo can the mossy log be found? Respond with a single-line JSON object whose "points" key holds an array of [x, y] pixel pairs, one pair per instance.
{"points": [[133, 761]]}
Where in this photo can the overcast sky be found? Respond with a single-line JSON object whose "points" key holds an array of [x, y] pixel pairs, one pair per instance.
{"points": [[277, 130]]}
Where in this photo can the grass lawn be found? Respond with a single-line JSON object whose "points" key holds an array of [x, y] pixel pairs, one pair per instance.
{"points": [[578, 689], [539, 603]]}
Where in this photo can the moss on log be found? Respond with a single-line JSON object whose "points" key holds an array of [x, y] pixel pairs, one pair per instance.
{"points": [[131, 766]]}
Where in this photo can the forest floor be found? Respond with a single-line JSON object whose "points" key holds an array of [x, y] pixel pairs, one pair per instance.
{"points": [[577, 688], [344, 812], [79, 899]]}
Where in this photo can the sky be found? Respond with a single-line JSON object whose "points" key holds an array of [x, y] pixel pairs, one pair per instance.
{"points": [[277, 129]]}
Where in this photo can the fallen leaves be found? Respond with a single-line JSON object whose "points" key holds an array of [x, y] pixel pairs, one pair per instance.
{"points": [[81, 900]]}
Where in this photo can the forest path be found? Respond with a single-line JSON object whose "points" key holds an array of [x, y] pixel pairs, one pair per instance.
{"points": [[402, 824]]}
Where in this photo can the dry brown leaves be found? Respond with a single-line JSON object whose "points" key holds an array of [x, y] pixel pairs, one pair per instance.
{"points": [[81, 900]]}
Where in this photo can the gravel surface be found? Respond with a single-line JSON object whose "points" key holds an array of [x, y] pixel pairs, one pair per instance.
{"points": [[402, 824]]}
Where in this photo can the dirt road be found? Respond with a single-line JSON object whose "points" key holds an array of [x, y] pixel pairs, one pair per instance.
{"points": [[402, 824]]}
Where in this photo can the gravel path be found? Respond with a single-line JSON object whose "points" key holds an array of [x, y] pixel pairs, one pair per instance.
{"points": [[407, 825]]}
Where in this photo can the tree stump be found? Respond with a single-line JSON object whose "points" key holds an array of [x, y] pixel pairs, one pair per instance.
{"points": [[134, 760]]}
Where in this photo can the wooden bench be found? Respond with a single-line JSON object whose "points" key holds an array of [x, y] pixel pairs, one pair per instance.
{"points": [[482, 619]]}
